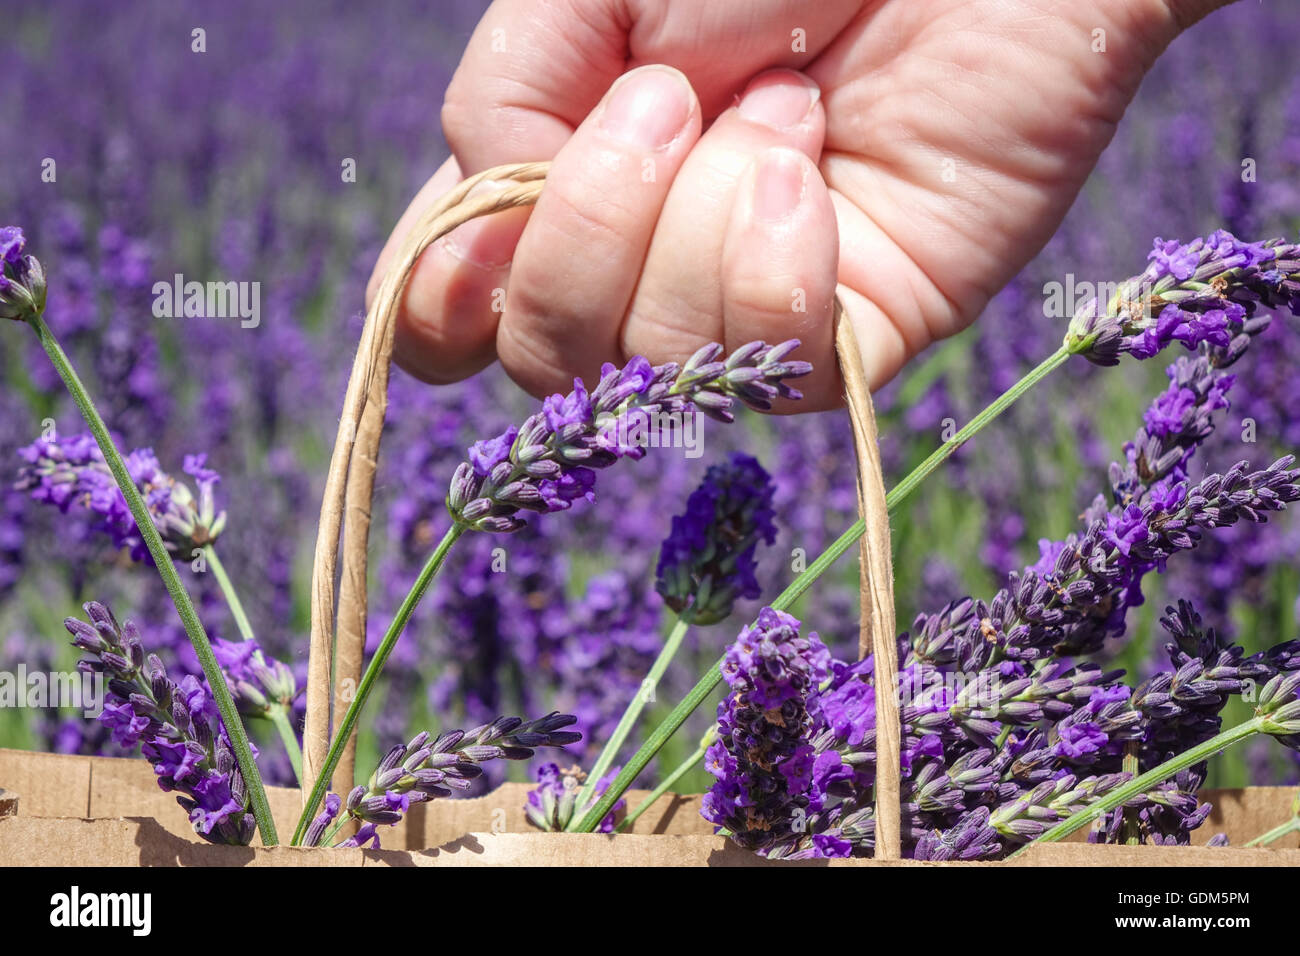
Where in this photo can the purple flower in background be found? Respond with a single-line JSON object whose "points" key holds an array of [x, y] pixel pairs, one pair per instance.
{"points": [[176, 725], [707, 561]]}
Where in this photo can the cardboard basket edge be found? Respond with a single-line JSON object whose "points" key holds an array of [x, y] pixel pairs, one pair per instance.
{"points": [[108, 811]]}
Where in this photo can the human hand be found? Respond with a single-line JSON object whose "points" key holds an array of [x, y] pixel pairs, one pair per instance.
{"points": [[924, 153]]}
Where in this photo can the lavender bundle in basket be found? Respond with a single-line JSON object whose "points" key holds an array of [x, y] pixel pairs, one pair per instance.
{"points": [[175, 724], [551, 460], [1005, 731]]}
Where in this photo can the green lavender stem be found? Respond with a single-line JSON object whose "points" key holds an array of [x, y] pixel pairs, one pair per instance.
{"points": [[349, 722], [682, 770], [629, 718], [1147, 781], [700, 692], [977, 424], [1277, 833], [277, 713], [228, 591], [171, 580], [280, 719]]}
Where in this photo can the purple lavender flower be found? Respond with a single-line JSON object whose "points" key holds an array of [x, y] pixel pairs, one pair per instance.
{"points": [[1027, 735], [1201, 292], [762, 759], [427, 768], [707, 561], [22, 280], [68, 472], [552, 803], [176, 725], [548, 463]]}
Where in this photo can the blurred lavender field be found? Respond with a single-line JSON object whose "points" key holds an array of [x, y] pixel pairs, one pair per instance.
{"points": [[225, 165]]}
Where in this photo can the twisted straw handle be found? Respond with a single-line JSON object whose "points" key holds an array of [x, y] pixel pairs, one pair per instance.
{"points": [[350, 483], [876, 585], [350, 479]]}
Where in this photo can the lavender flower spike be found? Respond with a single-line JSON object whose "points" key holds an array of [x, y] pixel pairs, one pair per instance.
{"points": [[762, 759], [1203, 291], [427, 768], [177, 726], [707, 561], [549, 462], [71, 471], [22, 280]]}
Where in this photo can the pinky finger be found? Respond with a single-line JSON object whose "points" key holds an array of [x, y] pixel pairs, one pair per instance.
{"points": [[779, 267]]}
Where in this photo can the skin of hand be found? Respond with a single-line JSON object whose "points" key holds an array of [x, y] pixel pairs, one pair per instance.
{"points": [[721, 170]]}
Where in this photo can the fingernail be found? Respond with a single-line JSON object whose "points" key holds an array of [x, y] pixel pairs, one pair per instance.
{"points": [[488, 241], [778, 185], [781, 99], [648, 107]]}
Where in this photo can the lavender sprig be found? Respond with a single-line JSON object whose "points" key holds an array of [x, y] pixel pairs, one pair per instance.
{"points": [[72, 471], [258, 682], [762, 759], [1199, 292], [707, 561], [176, 725], [551, 460], [427, 768], [22, 280], [31, 302], [1028, 816]]}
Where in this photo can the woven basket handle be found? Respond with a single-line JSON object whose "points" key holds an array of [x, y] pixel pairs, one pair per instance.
{"points": [[335, 658], [349, 482], [876, 582]]}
